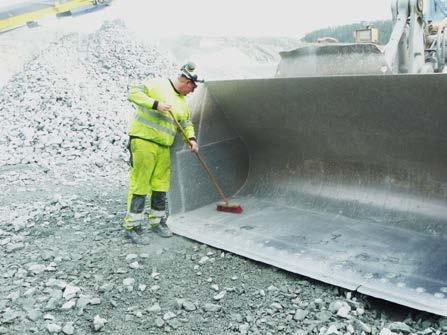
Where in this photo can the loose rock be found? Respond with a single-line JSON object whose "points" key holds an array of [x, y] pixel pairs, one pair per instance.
{"points": [[98, 323], [212, 307]]}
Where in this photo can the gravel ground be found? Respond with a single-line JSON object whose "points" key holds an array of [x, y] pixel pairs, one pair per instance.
{"points": [[66, 267]]}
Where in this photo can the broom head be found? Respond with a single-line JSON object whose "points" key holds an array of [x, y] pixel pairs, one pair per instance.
{"points": [[229, 207]]}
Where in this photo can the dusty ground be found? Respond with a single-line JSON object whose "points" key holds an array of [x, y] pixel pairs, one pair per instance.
{"points": [[65, 262]]}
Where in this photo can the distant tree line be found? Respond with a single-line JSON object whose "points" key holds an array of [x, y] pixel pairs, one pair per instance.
{"points": [[345, 33]]}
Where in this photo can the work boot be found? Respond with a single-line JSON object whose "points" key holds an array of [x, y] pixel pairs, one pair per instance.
{"points": [[133, 223], [135, 238], [142, 229], [162, 229]]}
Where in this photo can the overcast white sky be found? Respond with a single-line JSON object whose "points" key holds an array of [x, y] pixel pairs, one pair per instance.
{"points": [[250, 17], [238, 17]]}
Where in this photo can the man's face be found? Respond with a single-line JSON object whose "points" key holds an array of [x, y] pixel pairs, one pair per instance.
{"points": [[185, 86], [190, 86]]}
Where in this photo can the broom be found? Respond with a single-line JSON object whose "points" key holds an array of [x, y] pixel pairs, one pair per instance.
{"points": [[224, 206]]}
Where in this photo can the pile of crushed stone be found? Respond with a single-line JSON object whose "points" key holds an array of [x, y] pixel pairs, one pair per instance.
{"points": [[68, 107]]}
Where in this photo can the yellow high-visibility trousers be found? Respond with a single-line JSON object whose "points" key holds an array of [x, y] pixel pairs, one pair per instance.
{"points": [[150, 171]]}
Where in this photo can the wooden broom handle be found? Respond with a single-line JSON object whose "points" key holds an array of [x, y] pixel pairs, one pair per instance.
{"points": [[199, 157]]}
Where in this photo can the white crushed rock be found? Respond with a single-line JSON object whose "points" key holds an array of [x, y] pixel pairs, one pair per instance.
{"points": [[98, 322], [68, 108]]}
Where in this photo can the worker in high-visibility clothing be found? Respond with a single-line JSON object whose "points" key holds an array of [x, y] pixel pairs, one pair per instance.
{"points": [[152, 131]]}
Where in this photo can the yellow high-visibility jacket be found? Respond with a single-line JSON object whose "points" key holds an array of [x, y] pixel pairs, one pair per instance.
{"points": [[152, 125]]}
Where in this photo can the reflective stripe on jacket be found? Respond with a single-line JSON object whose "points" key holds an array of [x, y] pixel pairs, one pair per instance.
{"points": [[151, 124]]}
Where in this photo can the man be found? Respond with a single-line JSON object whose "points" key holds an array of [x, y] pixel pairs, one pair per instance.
{"points": [[152, 132]]}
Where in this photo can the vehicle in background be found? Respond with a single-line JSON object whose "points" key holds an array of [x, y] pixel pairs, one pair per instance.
{"points": [[28, 13], [417, 45]]}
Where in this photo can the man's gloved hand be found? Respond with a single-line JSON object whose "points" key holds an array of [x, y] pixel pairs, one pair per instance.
{"points": [[193, 146], [163, 107]]}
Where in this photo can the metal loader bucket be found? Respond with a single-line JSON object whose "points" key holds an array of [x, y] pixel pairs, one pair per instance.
{"points": [[332, 59], [342, 179]]}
